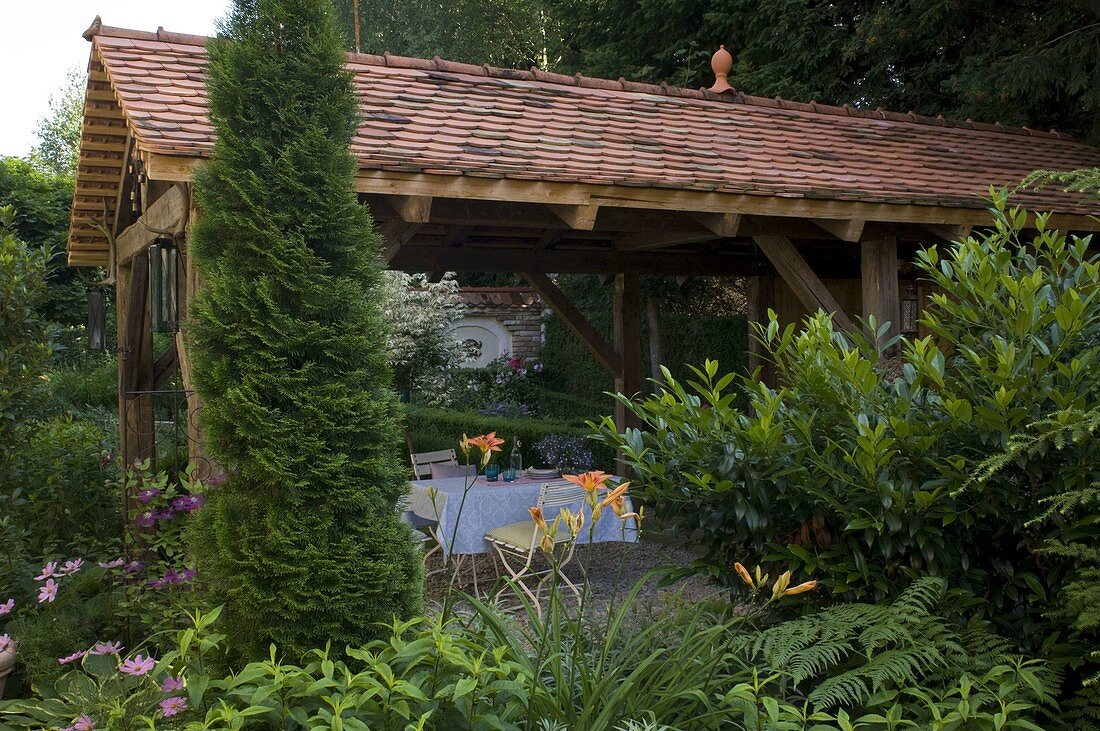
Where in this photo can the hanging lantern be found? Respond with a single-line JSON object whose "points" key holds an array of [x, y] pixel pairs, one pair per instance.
{"points": [[163, 286], [97, 318], [910, 311]]}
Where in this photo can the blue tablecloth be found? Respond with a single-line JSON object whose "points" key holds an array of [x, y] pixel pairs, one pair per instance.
{"points": [[490, 505]]}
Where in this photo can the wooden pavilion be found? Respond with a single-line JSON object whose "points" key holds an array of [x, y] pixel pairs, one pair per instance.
{"points": [[477, 168]]}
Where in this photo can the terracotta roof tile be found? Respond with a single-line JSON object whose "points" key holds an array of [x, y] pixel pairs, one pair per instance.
{"points": [[443, 117]]}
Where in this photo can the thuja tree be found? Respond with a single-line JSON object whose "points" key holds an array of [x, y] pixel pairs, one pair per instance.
{"points": [[302, 542]]}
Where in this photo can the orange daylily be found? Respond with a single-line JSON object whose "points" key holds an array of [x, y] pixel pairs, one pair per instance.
{"points": [[486, 442], [744, 574], [801, 588], [615, 494], [590, 481], [536, 515]]}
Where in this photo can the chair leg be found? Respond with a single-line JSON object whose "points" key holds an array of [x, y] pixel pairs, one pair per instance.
{"points": [[519, 575]]}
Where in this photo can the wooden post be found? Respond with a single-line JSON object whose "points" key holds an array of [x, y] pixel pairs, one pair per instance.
{"points": [[628, 343], [760, 299], [653, 316], [135, 364], [879, 269], [189, 287]]}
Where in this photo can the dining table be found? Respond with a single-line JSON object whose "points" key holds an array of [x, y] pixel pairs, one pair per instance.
{"points": [[467, 508]]}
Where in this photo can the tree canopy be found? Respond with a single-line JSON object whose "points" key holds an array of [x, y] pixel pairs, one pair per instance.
{"points": [[1020, 62]]}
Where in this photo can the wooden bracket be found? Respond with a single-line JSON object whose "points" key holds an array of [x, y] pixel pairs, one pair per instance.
{"points": [[396, 234], [165, 366], [798, 275], [575, 320], [413, 208], [725, 225], [645, 241], [582, 218], [950, 234], [169, 212], [846, 230]]}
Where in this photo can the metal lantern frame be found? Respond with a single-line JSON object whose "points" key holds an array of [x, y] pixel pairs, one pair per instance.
{"points": [[164, 285], [97, 317]]}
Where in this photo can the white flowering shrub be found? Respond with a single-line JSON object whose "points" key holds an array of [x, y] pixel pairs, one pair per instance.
{"points": [[421, 349]]}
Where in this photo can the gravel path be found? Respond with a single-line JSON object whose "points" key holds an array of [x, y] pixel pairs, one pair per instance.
{"points": [[612, 570]]}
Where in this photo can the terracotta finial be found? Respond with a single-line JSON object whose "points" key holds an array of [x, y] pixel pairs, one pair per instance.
{"points": [[93, 29], [721, 63]]}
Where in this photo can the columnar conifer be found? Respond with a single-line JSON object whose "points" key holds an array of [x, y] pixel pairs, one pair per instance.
{"points": [[302, 542]]}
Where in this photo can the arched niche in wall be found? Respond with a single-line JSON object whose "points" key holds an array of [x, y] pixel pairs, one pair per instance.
{"points": [[490, 337]]}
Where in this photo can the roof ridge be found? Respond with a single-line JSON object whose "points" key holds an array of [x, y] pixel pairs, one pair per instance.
{"points": [[732, 96]]}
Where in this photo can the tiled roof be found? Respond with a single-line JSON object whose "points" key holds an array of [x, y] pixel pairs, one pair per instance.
{"points": [[435, 116], [499, 298]]}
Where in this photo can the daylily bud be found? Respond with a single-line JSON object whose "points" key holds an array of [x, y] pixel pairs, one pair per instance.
{"points": [[464, 444], [597, 512], [547, 544], [536, 515], [744, 574], [781, 585], [802, 588]]}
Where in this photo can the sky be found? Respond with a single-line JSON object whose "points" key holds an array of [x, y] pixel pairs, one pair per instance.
{"points": [[40, 43]]}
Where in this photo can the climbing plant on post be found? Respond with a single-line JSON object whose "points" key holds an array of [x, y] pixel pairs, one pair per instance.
{"points": [[302, 542]]}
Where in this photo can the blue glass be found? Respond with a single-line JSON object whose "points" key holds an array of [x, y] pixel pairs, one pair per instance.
{"points": [[492, 471], [510, 474]]}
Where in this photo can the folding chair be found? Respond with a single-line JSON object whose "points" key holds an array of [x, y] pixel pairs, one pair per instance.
{"points": [[422, 462], [423, 515], [517, 543], [443, 470]]}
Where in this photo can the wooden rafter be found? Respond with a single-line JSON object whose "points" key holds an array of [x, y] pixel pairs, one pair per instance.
{"points": [[648, 241]]}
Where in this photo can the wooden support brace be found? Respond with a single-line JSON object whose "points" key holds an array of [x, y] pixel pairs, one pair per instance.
{"points": [[575, 320], [949, 234], [413, 208], [798, 275], [165, 366], [645, 241], [396, 234], [167, 213], [725, 225], [848, 230], [582, 218]]}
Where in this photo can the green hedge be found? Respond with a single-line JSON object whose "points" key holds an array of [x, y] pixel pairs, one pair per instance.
{"points": [[430, 429]]}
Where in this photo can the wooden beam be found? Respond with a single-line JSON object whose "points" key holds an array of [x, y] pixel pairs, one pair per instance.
{"points": [[388, 182], [457, 236], [879, 275], [801, 278], [725, 225], [647, 241], [167, 213], [413, 208], [468, 258], [136, 421], [582, 218], [575, 320], [628, 344], [845, 230]]}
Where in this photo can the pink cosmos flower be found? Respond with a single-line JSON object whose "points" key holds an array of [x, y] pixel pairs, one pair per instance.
{"points": [[84, 723], [5, 642], [48, 592], [112, 564], [171, 685], [172, 706], [48, 570], [71, 567], [71, 658], [106, 648], [6, 607], [137, 665]]}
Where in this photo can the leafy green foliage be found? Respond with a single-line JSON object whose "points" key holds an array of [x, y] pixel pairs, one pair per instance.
{"points": [[59, 133], [1021, 62], [860, 474], [303, 541]]}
